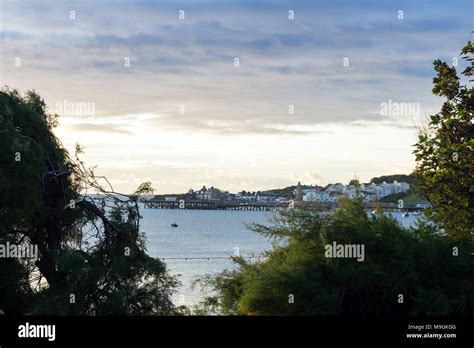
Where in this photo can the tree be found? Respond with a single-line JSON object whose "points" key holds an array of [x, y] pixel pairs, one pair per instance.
{"points": [[92, 257], [354, 182], [391, 178], [297, 277], [445, 152], [144, 188]]}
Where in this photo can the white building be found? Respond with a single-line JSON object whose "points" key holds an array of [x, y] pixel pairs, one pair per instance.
{"points": [[310, 196], [368, 192], [385, 189], [350, 191], [321, 196], [245, 196], [266, 197], [339, 188]]}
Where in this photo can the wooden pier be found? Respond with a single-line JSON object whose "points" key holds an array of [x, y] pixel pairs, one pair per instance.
{"points": [[258, 206], [214, 205]]}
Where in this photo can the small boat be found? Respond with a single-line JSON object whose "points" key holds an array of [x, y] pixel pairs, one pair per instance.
{"points": [[417, 213], [405, 214], [174, 224]]}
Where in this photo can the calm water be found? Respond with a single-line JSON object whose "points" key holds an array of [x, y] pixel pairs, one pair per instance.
{"points": [[206, 233], [200, 233]]}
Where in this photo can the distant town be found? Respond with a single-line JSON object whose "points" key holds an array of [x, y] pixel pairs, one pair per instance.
{"points": [[387, 189], [329, 193]]}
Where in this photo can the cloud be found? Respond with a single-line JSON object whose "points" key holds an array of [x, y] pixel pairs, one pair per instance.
{"points": [[99, 128], [236, 131]]}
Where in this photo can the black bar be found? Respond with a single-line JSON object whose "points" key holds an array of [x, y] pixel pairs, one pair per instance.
{"points": [[193, 330]]}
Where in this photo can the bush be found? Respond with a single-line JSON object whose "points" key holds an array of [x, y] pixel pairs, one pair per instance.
{"points": [[298, 279]]}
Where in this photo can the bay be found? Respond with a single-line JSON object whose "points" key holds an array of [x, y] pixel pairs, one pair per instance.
{"points": [[201, 234], [204, 240]]}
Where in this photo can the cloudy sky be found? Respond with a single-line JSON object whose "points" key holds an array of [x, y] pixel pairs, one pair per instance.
{"points": [[235, 94]]}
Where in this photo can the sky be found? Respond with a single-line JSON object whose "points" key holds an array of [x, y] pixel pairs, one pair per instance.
{"points": [[238, 95]]}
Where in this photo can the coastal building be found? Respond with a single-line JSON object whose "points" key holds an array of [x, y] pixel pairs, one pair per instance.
{"points": [[209, 194], [298, 200], [368, 192], [400, 186], [311, 196], [143, 198], [299, 193], [350, 191], [229, 196], [338, 188], [328, 194], [245, 196], [266, 197]]}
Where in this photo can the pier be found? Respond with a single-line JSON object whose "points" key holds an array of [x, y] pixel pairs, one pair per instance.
{"points": [[214, 205], [259, 206]]}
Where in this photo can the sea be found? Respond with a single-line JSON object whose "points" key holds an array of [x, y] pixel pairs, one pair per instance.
{"points": [[204, 240]]}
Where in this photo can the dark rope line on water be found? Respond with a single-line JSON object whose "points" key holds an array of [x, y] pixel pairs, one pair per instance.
{"points": [[209, 258]]}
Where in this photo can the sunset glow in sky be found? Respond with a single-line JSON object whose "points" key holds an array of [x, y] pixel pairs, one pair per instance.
{"points": [[170, 105]]}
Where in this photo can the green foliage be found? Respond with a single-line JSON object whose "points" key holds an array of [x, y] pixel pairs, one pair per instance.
{"points": [[416, 263], [391, 178], [445, 153], [92, 258], [28, 150], [288, 192], [354, 182], [410, 197], [144, 188], [284, 192]]}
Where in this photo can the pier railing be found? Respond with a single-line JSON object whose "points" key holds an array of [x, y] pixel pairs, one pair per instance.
{"points": [[213, 205], [258, 206]]}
